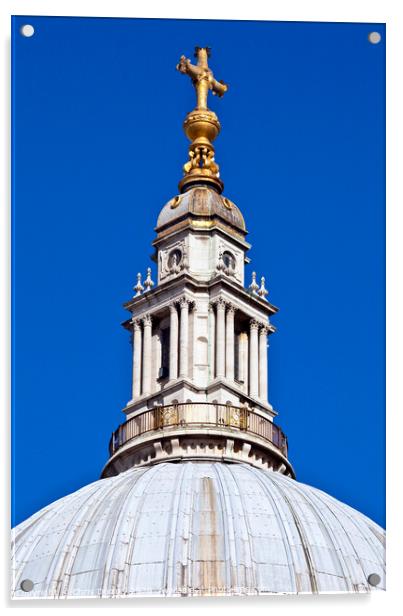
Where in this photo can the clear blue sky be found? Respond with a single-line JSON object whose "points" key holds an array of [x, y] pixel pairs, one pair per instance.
{"points": [[98, 149]]}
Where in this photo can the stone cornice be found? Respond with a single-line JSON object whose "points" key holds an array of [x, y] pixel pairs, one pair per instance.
{"points": [[147, 300], [242, 293], [190, 222]]}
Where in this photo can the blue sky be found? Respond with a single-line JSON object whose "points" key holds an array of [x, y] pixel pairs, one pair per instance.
{"points": [[98, 149]]}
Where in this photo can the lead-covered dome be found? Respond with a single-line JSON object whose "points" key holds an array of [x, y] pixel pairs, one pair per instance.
{"points": [[196, 528], [201, 202]]}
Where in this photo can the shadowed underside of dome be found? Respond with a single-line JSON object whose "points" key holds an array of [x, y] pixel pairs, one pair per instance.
{"points": [[196, 529]]}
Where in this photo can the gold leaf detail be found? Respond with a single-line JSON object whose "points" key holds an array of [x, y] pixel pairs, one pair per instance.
{"points": [[175, 201]]}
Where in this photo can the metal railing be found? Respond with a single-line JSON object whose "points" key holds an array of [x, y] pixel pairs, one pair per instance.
{"points": [[194, 415]]}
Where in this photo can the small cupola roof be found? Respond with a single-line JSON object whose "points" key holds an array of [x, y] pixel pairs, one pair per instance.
{"points": [[201, 203]]}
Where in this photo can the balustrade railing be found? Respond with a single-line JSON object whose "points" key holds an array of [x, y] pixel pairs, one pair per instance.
{"points": [[194, 415]]}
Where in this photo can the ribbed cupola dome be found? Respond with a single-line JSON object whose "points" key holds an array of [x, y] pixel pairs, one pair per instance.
{"points": [[201, 203]]}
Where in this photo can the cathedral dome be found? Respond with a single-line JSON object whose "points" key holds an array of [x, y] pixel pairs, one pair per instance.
{"points": [[195, 528], [201, 202]]}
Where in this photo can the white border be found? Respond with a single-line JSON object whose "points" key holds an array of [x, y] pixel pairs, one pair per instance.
{"points": [[387, 11]]}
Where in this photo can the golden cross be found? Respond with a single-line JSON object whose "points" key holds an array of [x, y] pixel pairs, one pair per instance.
{"points": [[202, 76]]}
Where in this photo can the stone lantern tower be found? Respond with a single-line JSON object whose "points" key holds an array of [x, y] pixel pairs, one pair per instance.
{"points": [[200, 338]]}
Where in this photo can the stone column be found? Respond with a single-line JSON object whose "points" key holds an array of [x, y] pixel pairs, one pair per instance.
{"points": [[147, 355], [136, 359], [245, 360], [267, 366], [220, 357], [173, 342], [253, 359], [184, 338], [263, 363], [242, 351], [211, 316], [229, 343]]}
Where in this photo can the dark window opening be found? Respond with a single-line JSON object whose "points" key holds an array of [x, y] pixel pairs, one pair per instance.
{"points": [[164, 368]]}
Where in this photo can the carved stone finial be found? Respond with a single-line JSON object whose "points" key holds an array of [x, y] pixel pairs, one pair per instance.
{"points": [[148, 283], [262, 291], [139, 287], [253, 287]]}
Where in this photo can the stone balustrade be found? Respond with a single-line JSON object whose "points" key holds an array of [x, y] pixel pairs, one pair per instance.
{"points": [[195, 416]]}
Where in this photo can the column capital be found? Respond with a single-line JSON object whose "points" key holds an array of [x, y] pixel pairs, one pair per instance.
{"points": [[220, 303], [183, 301], [136, 324], [264, 329], [173, 306], [231, 308], [254, 324], [147, 320]]}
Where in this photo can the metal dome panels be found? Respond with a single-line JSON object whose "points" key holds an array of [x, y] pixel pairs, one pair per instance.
{"points": [[201, 202], [196, 528]]}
